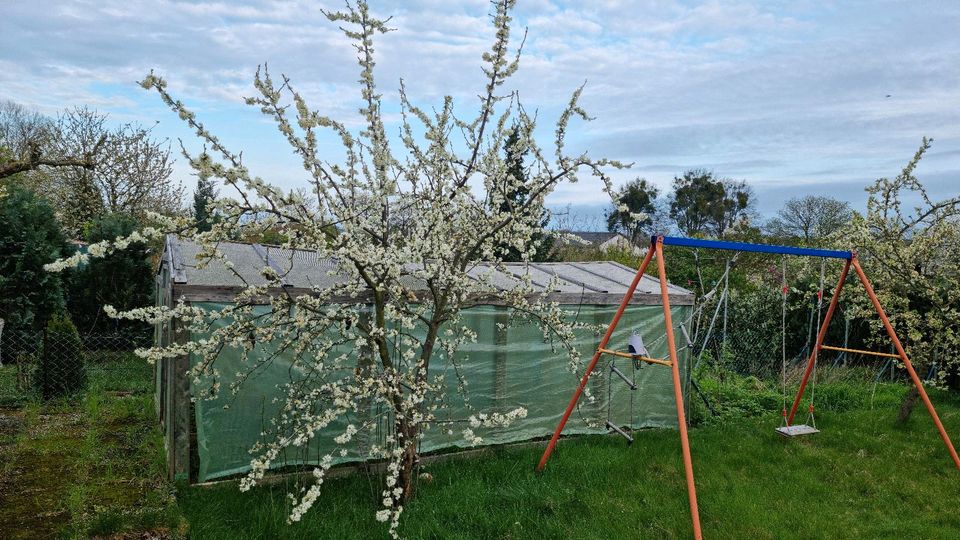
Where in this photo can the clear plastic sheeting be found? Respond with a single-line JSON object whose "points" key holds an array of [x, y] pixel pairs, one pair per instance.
{"points": [[505, 369]]}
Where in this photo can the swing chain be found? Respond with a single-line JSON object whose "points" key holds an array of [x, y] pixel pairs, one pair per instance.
{"points": [[783, 336], [811, 419]]}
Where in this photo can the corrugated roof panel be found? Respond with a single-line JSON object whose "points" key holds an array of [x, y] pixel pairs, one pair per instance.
{"points": [[624, 274], [599, 282]]}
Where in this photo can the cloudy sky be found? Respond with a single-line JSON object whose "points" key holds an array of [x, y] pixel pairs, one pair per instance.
{"points": [[794, 97]]}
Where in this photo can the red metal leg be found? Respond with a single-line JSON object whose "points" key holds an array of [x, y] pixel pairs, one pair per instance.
{"points": [[821, 334], [678, 394], [906, 362], [596, 356]]}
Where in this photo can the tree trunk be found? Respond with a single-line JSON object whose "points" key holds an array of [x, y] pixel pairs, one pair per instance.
{"points": [[409, 460], [908, 404]]}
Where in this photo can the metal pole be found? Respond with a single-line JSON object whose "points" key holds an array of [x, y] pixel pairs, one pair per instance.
{"points": [[906, 362], [596, 357], [820, 336], [677, 394]]}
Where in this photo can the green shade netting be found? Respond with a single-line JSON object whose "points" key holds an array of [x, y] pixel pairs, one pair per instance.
{"points": [[504, 369]]}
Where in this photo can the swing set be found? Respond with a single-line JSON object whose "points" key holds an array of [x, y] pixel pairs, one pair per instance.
{"points": [[788, 429]]}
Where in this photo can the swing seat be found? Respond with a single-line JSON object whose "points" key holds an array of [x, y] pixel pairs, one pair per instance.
{"points": [[797, 430]]}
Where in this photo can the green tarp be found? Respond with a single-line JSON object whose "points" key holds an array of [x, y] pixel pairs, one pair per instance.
{"points": [[505, 369]]}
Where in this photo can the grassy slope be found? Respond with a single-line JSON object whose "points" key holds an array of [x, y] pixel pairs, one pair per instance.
{"points": [[86, 467], [862, 477]]}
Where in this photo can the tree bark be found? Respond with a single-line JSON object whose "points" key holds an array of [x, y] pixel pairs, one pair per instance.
{"points": [[35, 159], [408, 461]]}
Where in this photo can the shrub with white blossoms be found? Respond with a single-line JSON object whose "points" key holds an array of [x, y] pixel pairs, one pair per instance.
{"points": [[909, 244], [408, 221]]}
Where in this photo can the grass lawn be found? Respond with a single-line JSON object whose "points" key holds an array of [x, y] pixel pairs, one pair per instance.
{"points": [[94, 468], [88, 467], [862, 477]]}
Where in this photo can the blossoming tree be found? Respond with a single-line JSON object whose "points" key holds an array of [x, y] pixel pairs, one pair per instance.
{"points": [[408, 220], [913, 255]]}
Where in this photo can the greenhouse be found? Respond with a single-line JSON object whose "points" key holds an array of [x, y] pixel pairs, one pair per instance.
{"points": [[507, 366]]}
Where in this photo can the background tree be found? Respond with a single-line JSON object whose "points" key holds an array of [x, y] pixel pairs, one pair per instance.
{"points": [[809, 218], [695, 201], [912, 256], [514, 197], [32, 143], [30, 237], [203, 197], [453, 180], [634, 208], [702, 205], [86, 168], [132, 176], [61, 371], [122, 279], [736, 208]]}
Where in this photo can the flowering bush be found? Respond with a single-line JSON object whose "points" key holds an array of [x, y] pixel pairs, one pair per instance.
{"points": [[408, 222], [912, 256]]}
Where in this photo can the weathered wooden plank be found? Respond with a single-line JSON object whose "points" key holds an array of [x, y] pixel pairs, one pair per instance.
{"points": [[217, 293], [178, 271], [180, 412]]}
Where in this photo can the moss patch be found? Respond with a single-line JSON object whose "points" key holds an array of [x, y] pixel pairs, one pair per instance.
{"points": [[87, 468]]}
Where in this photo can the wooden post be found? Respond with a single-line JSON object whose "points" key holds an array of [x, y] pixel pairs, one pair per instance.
{"points": [[178, 416], [501, 321]]}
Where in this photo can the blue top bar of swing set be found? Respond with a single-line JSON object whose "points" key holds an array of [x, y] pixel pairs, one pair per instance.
{"points": [[752, 248]]}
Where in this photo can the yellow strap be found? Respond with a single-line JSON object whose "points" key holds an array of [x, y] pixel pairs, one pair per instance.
{"points": [[858, 351], [636, 357]]}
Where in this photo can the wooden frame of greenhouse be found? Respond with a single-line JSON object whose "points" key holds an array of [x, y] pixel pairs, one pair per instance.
{"points": [[507, 367]]}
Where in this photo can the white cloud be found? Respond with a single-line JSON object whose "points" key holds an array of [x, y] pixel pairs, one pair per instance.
{"points": [[779, 93]]}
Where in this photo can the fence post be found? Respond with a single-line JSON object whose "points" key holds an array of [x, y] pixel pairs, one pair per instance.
{"points": [[44, 364], [180, 466]]}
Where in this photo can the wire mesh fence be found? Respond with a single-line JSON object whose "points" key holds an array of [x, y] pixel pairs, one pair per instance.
{"points": [[752, 335], [49, 365]]}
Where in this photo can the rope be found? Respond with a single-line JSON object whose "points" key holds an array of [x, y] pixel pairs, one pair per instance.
{"points": [[724, 279], [816, 351], [610, 389], [783, 337], [633, 415]]}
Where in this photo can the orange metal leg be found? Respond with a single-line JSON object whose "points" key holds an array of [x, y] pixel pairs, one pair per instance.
{"points": [[596, 356], [821, 334], [678, 394], [906, 362]]}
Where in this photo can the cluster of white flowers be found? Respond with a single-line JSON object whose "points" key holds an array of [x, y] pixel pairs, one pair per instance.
{"points": [[497, 419], [72, 261], [308, 498], [471, 437], [106, 247]]}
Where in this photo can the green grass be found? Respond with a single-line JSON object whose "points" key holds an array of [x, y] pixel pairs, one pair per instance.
{"points": [[9, 390], [110, 371], [93, 467], [88, 467], [862, 477]]}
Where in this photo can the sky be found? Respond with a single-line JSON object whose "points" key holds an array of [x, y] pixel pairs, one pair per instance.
{"points": [[794, 97]]}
